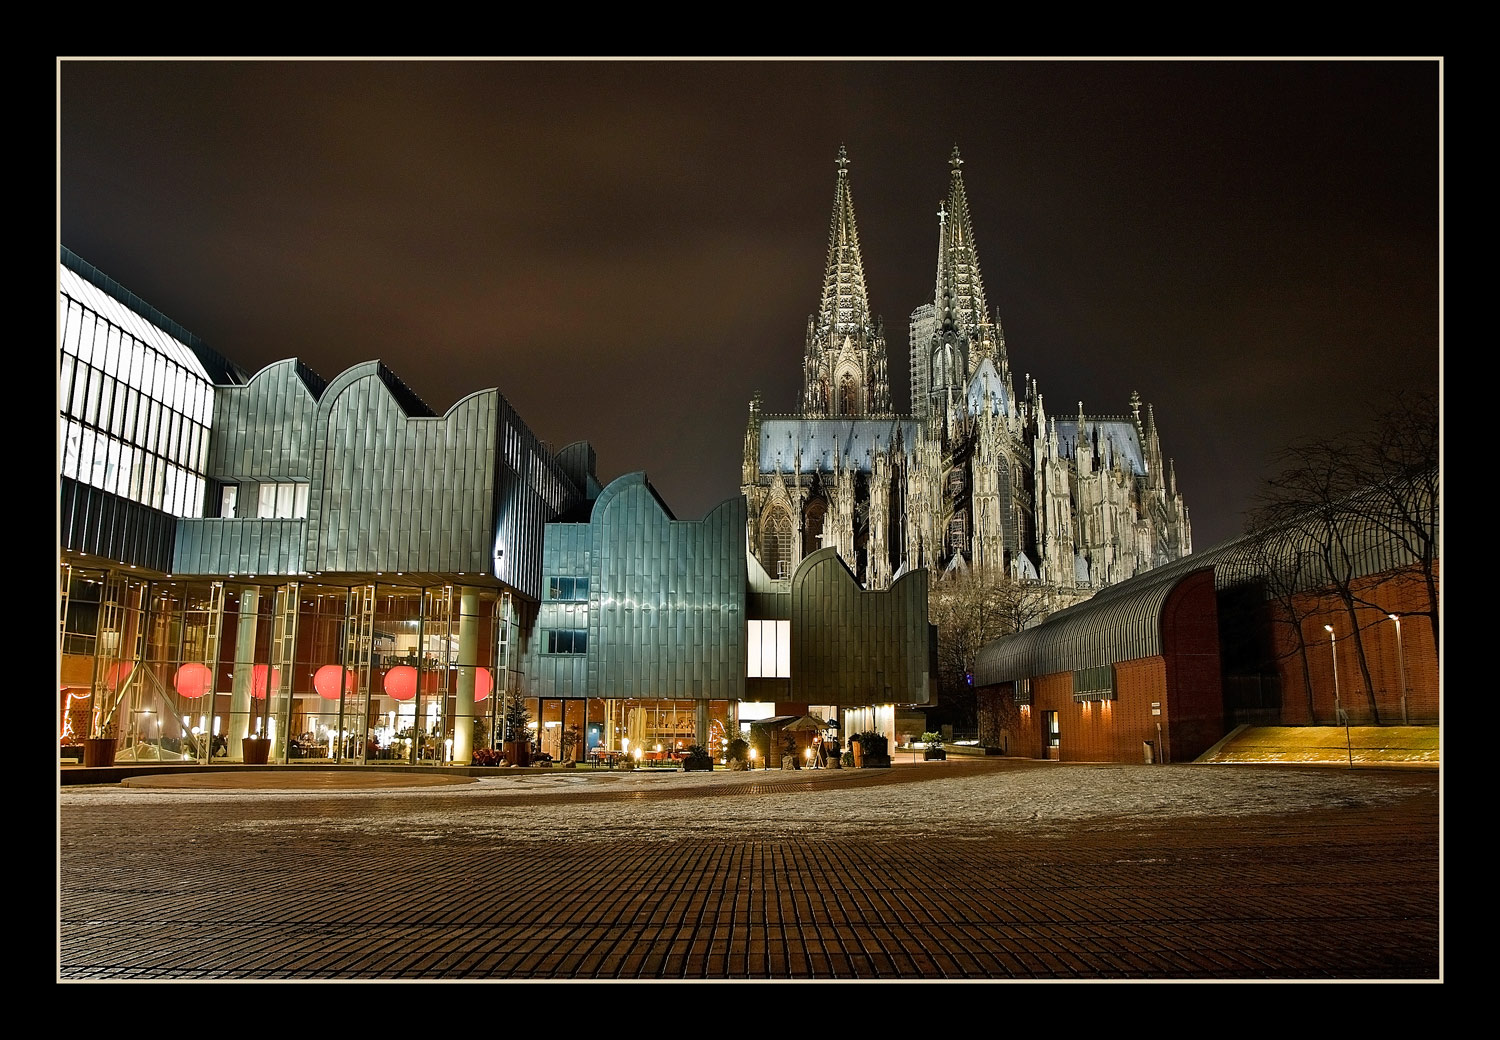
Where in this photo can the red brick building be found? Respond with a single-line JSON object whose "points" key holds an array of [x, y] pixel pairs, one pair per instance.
{"points": [[1163, 666]]}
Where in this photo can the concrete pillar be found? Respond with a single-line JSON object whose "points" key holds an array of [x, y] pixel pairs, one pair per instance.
{"points": [[241, 702], [468, 655]]}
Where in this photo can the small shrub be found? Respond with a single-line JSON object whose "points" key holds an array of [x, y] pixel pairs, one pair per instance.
{"points": [[738, 750]]}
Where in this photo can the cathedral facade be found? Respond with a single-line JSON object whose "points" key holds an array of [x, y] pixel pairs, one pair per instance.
{"points": [[974, 477]]}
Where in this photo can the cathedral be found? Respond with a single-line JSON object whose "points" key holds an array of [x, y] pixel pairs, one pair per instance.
{"points": [[973, 477]]}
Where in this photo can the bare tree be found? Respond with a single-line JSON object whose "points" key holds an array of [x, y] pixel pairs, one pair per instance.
{"points": [[971, 610], [1341, 510], [1402, 473]]}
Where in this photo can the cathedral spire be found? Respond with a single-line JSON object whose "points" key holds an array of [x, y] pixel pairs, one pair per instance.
{"points": [[958, 270], [845, 366]]}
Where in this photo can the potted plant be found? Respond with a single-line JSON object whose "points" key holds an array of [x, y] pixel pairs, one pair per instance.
{"points": [[99, 750], [697, 759], [789, 758], [935, 751], [255, 750], [517, 730], [872, 753], [570, 739]]}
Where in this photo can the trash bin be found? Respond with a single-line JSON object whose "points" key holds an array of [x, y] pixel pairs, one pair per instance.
{"points": [[1149, 750]]}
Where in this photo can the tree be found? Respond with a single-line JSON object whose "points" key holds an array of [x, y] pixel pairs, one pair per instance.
{"points": [[1343, 509], [971, 610], [517, 718]]}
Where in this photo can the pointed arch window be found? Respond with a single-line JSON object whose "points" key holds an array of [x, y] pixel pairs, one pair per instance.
{"points": [[776, 544], [812, 526], [848, 395]]}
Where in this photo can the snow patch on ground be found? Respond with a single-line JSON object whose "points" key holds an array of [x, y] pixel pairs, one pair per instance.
{"points": [[1035, 800]]}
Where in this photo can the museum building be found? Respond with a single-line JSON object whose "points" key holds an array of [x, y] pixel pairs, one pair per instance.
{"points": [[335, 568]]}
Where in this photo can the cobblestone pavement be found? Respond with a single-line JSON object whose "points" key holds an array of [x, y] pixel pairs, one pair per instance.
{"points": [[179, 885]]}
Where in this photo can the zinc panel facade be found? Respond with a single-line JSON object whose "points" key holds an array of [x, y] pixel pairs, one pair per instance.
{"points": [[667, 615], [854, 647]]}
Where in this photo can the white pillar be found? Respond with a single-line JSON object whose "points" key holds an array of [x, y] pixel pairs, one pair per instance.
{"points": [[468, 651]]}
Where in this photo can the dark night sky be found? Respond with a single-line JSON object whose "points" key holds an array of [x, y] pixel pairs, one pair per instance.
{"points": [[628, 250]]}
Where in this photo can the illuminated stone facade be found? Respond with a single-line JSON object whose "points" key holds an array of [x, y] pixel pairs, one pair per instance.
{"points": [[973, 476]]}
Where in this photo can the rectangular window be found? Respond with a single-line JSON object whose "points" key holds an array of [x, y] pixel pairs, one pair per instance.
{"points": [[283, 501], [1094, 684], [769, 650], [111, 364], [72, 448], [70, 329], [568, 590], [568, 641], [227, 498], [64, 382], [86, 337], [91, 409]]}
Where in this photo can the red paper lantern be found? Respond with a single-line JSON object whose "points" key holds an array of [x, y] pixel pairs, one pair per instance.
{"points": [[401, 682], [258, 676], [483, 684], [326, 682], [193, 680]]}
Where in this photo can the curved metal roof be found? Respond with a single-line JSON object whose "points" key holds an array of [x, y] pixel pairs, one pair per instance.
{"points": [[1122, 622]]}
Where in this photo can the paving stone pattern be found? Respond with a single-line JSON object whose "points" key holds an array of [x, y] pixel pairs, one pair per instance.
{"points": [[192, 893]]}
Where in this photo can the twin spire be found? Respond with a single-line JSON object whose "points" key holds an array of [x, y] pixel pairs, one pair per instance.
{"points": [[845, 360]]}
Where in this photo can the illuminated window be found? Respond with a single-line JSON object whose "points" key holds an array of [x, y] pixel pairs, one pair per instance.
{"points": [[769, 650], [282, 501]]}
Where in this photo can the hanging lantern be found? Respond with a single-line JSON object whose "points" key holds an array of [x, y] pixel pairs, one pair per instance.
{"points": [[326, 681], [193, 680], [401, 682], [483, 684], [258, 676]]}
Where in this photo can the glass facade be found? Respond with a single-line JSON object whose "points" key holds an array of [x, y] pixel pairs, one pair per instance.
{"points": [[135, 406], [186, 670]]}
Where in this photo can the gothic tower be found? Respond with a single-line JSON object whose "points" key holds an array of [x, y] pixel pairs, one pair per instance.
{"points": [[844, 365]]}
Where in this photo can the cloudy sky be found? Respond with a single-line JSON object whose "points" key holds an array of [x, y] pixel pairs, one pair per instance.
{"points": [[628, 250]]}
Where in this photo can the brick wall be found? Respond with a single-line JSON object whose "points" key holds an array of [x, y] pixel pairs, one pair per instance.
{"points": [[1395, 593]]}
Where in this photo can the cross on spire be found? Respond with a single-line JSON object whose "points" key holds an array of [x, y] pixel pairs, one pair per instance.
{"points": [[955, 162], [942, 214], [843, 159]]}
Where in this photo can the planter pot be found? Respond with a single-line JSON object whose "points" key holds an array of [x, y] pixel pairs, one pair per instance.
{"points": [[517, 753], [255, 751], [934, 755], [99, 751]]}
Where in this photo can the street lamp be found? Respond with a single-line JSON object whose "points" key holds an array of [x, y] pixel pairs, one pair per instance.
{"points": [[1338, 709], [1401, 669]]}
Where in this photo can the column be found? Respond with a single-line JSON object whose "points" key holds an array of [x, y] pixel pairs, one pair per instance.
{"points": [[468, 651]]}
